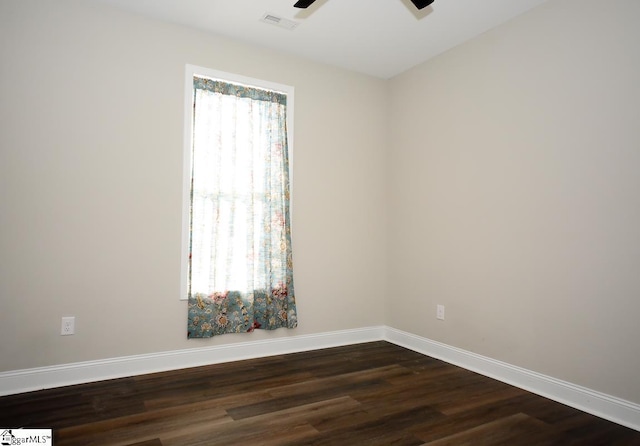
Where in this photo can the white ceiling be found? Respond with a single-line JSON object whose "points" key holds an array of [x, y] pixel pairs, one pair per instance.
{"points": [[381, 38]]}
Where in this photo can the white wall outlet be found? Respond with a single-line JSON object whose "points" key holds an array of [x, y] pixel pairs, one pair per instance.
{"points": [[440, 312], [68, 326]]}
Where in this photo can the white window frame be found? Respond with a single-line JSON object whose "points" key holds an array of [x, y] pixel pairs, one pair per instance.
{"points": [[190, 72]]}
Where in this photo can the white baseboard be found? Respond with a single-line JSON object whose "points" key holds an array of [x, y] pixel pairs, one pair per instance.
{"points": [[596, 403], [604, 406], [19, 381]]}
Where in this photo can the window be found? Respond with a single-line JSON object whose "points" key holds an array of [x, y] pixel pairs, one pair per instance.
{"points": [[237, 271]]}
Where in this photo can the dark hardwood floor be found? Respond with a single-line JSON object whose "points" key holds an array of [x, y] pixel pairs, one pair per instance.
{"points": [[367, 394]]}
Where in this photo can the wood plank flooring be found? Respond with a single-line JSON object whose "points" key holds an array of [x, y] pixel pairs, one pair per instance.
{"points": [[368, 394]]}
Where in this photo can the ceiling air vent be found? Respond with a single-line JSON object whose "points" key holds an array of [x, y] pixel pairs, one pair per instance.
{"points": [[279, 21]]}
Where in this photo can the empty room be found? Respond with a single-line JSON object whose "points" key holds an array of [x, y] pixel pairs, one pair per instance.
{"points": [[453, 188]]}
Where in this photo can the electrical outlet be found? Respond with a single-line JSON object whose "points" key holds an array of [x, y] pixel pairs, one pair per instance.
{"points": [[440, 312], [68, 326]]}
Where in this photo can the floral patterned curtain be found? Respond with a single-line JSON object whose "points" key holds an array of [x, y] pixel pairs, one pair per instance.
{"points": [[240, 262]]}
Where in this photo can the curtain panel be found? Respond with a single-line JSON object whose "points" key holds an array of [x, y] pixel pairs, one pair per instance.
{"points": [[240, 258]]}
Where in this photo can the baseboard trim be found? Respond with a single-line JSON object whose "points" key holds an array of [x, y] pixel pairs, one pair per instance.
{"points": [[26, 380], [604, 406]]}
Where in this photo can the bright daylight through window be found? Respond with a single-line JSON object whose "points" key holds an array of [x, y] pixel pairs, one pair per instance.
{"points": [[237, 267]]}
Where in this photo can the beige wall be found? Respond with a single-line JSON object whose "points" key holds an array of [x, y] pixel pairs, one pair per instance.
{"points": [[91, 132], [515, 195]]}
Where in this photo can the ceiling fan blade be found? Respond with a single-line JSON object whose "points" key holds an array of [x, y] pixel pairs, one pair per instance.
{"points": [[420, 4], [303, 3]]}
